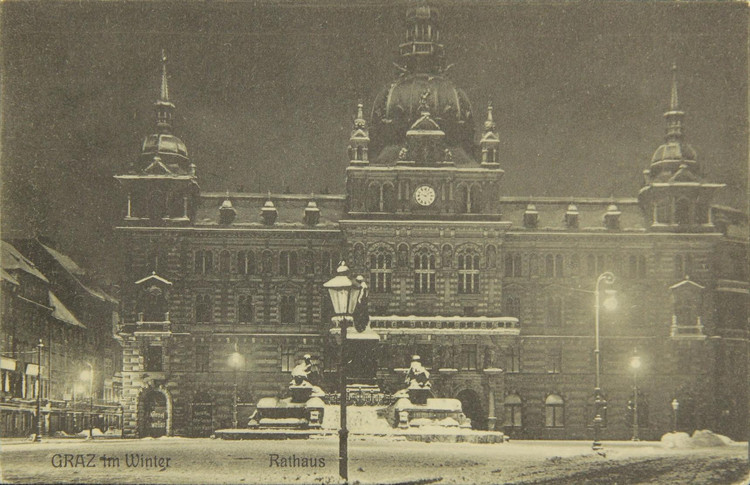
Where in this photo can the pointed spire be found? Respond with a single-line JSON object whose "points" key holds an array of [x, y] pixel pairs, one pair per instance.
{"points": [[164, 107], [164, 87], [489, 124], [673, 103], [359, 121], [674, 115]]}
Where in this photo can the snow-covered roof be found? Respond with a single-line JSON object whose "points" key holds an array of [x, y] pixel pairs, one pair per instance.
{"points": [[7, 277], [77, 272], [13, 260], [290, 209], [155, 277], [62, 313]]}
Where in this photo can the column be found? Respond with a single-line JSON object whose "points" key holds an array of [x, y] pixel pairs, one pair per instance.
{"points": [[491, 419]]}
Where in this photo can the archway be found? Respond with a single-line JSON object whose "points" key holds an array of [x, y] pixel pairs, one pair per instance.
{"points": [[471, 404], [154, 413]]}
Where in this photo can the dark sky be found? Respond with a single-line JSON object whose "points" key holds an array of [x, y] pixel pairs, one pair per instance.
{"points": [[265, 95]]}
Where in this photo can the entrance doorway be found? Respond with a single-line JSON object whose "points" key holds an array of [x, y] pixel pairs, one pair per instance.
{"points": [[153, 414], [471, 404]]}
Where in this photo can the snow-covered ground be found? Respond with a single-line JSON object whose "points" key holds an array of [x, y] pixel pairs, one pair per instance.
{"points": [[372, 460]]}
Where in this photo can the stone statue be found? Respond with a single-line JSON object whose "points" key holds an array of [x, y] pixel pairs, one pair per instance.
{"points": [[301, 372], [403, 153], [417, 376], [423, 101]]}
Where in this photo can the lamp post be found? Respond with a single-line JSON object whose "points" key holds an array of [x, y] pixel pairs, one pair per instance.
{"points": [[599, 402], [235, 362], [675, 407], [635, 364], [88, 375], [344, 294], [38, 437]]}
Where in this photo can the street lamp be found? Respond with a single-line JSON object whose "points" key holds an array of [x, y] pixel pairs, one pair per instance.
{"points": [[88, 375], [38, 437], [635, 364], [235, 362], [344, 294], [675, 407], [610, 303]]}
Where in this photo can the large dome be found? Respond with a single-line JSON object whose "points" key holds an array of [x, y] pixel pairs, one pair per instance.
{"points": [[397, 107]]}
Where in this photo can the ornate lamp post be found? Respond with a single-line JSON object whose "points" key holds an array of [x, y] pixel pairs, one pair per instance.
{"points": [[675, 407], [635, 364], [88, 375], [344, 295], [610, 304], [235, 362], [38, 437]]}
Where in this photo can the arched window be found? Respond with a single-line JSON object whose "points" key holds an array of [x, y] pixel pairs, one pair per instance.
{"points": [[513, 265], [389, 198], [224, 262], [204, 262], [549, 266], [267, 262], [554, 310], [424, 271], [373, 198], [287, 309], [468, 272], [513, 408], [533, 265], [575, 264], [462, 199], [513, 307], [246, 262], [554, 411], [381, 271], [203, 309], [513, 357], [559, 268], [475, 200], [245, 309], [288, 263]]}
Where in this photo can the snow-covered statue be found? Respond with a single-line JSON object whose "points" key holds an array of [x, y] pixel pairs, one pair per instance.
{"points": [[301, 372], [417, 376]]}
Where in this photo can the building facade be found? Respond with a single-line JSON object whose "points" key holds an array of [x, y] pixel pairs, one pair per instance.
{"points": [[495, 293], [48, 300]]}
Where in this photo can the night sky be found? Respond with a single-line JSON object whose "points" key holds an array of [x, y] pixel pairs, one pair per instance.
{"points": [[266, 93]]}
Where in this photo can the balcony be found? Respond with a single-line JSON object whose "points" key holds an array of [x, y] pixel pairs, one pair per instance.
{"points": [[438, 325], [155, 323]]}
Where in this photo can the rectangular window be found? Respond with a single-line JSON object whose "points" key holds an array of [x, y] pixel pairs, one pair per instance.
{"points": [[424, 273], [288, 309], [153, 358], [468, 273], [554, 416], [287, 360], [469, 357], [513, 415], [202, 358], [513, 360], [381, 270]]}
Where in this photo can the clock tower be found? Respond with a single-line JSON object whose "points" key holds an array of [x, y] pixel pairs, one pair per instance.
{"points": [[423, 161]]}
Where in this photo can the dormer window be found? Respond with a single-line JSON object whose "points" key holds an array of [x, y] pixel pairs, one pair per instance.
{"points": [[571, 217], [612, 218]]}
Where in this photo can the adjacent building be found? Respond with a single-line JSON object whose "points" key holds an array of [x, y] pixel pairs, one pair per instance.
{"points": [[495, 293], [55, 325]]}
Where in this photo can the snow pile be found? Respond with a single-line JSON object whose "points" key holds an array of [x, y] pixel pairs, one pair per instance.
{"points": [[94, 432], [700, 439]]}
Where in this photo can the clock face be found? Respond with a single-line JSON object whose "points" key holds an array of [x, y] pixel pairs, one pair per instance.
{"points": [[424, 195]]}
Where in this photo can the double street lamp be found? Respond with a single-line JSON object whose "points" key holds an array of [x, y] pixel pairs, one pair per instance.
{"points": [[610, 303], [344, 293]]}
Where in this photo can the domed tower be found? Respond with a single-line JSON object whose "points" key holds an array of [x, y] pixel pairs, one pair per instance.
{"points": [[675, 196], [420, 145], [161, 184], [422, 67]]}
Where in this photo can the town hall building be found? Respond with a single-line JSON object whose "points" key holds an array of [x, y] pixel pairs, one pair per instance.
{"points": [[495, 293]]}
